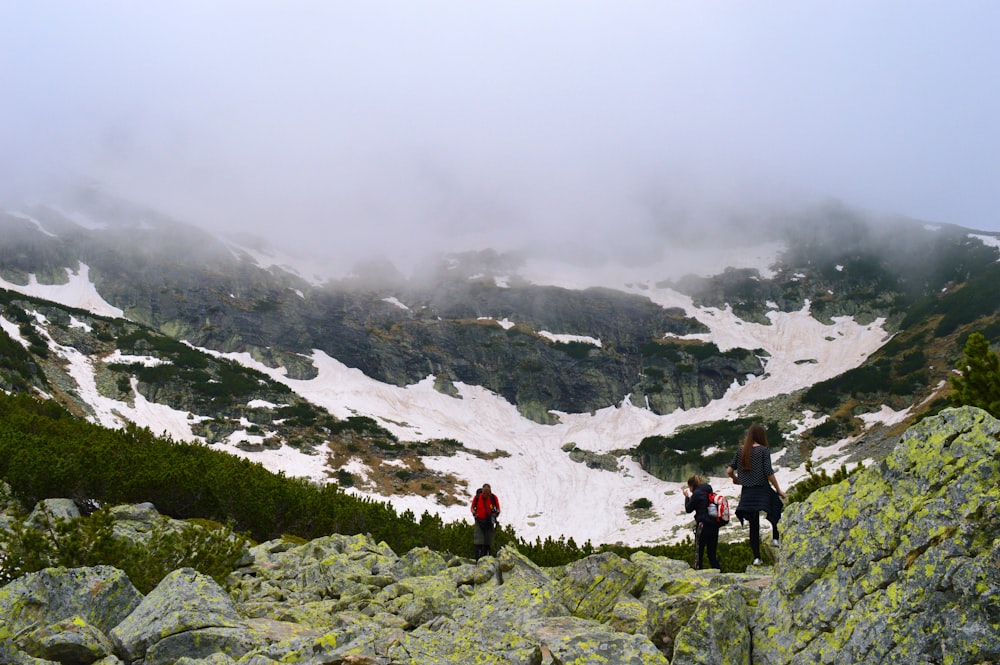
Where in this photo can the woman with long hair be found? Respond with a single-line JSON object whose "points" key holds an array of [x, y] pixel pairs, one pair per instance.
{"points": [[751, 469]]}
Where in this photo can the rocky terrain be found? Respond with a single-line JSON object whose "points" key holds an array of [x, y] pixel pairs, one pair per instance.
{"points": [[900, 563]]}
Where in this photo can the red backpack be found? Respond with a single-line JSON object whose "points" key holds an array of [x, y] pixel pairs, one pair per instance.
{"points": [[493, 504], [718, 508]]}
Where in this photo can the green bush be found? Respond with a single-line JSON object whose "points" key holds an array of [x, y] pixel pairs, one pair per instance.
{"points": [[814, 481], [978, 380], [91, 541]]}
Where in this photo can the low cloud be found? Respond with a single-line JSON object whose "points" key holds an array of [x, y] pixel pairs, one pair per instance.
{"points": [[355, 129]]}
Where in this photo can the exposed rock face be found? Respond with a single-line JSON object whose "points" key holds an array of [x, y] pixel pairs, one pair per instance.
{"points": [[898, 564], [180, 282], [64, 615]]}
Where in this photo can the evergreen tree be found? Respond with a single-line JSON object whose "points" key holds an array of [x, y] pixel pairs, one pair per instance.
{"points": [[978, 381]]}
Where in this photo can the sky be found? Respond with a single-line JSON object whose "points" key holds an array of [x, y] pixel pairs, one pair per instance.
{"points": [[543, 492], [360, 126]]}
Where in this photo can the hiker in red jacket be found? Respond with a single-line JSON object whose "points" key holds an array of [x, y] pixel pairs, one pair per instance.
{"points": [[485, 508], [706, 532]]}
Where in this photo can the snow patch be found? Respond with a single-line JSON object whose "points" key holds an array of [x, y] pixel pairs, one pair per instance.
{"points": [[13, 330], [989, 241], [569, 338], [885, 416], [78, 292], [38, 225], [392, 300]]}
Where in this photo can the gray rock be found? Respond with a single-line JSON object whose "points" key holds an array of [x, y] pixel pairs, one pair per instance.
{"points": [[137, 512], [594, 585], [576, 640], [187, 614], [100, 597], [898, 563], [53, 510], [68, 641], [718, 633], [418, 561], [11, 655]]}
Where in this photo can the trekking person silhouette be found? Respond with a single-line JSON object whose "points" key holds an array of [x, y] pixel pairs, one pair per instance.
{"points": [[485, 509], [706, 531], [751, 469]]}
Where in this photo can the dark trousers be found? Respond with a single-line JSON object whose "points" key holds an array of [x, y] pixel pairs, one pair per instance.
{"points": [[754, 519], [706, 536], [482, 538]]}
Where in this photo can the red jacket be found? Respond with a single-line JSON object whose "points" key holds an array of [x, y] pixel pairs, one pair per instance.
{"points": [[481, 509]]}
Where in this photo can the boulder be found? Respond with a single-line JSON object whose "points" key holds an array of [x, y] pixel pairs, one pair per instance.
{"points": [[66, 614], [69, 641], [51, 510], [577, 640], [900, 562], [593, 586], [187, 614], [717, 633]]}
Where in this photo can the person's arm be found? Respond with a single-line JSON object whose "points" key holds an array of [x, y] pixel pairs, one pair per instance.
{"points": [[688, 503], [496, 505], [774, 483], [731, 469]]}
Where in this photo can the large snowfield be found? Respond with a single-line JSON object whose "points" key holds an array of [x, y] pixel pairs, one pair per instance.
{"points": [[543, 492]]}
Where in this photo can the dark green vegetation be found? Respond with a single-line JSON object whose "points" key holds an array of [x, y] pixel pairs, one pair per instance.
{"points": [[19, 368], [686, 453], [47, 453], [815, 480], [91, 541], [914, 366], [978, 380], [215, 382]]}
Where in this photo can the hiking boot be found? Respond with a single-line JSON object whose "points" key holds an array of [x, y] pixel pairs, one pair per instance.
{"points": [[776, 543], [757, 562]]}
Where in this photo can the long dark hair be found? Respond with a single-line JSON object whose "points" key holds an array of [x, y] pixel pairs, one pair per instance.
{"points": [[756, 434]]}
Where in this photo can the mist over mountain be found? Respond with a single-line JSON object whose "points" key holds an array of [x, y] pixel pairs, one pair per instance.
{"points": [[606, 376]]}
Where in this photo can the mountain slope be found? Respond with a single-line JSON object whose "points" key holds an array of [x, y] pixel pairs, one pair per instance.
{"points": [[541, 379]]}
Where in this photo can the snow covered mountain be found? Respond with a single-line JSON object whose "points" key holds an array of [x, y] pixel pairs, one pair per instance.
{"points": [[538, 376]]}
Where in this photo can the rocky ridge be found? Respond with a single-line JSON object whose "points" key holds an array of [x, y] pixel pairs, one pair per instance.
{"points": [[897, 564]]}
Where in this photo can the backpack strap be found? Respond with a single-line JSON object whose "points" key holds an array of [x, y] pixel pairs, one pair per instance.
{"points": [[479, 500]]}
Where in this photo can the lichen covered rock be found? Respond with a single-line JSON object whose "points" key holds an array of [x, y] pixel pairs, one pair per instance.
{"points": [[58, 611], [187, 614], [900, 563]]}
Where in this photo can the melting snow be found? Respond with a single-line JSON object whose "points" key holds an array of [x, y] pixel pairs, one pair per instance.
{"points": [[989, 241], [34, 221], [885, 416], [569, 338], [78, 292], [393, 300], [544, 492]]}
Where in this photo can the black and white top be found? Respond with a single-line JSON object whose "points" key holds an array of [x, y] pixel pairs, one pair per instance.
{"points": [[760, 467]]}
